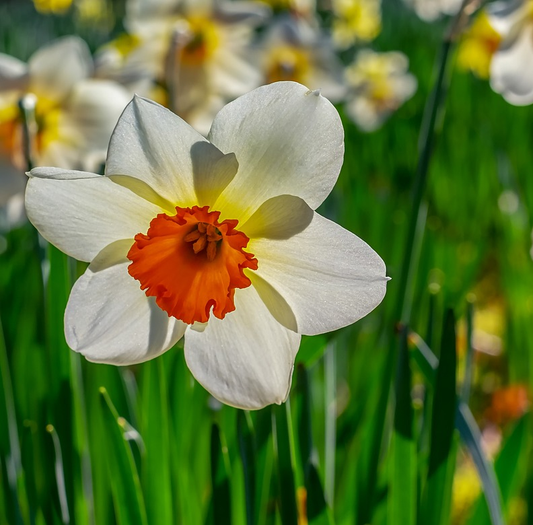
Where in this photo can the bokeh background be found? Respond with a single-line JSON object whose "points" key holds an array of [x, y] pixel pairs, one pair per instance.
{"points": [[419, 413]]}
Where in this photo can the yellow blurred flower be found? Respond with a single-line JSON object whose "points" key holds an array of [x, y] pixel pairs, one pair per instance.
{"points": [[355, 20], [466, 489], [380, 83], [479, 43], [52, 6]]}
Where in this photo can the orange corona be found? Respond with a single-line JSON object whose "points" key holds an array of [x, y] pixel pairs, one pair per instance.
{"points": [[191, 263]]}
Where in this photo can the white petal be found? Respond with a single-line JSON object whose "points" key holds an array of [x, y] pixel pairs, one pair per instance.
{"points": [[81, 212], [511, 69], [109, 319], [507, 16], [329, 277], [56, 67], [95, 107], [287, 140], [13, 73], [246, 359], [156, 146]]}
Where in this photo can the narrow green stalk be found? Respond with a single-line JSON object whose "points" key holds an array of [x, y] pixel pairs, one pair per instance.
{"points": [[60, 475], [330, 365]]}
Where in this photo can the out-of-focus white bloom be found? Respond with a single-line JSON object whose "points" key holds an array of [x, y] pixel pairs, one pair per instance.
{"points": [[355, 20], [478, 45], [380, 83], [511, 69], [199, 50], [430, 10], [294, 50], [74, 115], [215, 240]]}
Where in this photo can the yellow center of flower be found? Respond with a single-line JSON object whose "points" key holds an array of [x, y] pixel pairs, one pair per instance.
{"points": [[287, 63], [192, 263], [479, 43], [202, 41]]}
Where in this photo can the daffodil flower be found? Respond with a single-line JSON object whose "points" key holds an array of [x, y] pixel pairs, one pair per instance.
{"points": [[215, 240], [379, 84], [292, 49], [511, 69], [75, 115], [198, 49]]}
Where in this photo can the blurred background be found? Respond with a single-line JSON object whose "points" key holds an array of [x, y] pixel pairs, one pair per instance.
{"points": [[419, 413]]}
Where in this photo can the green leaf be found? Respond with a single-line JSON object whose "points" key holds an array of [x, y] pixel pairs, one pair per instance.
{"points": [[285, 464], [468, 430], [247, 451], [59, 475], [510, 469], [402, 498], [126, 488], [9, 440], [220, 479], [156, 480], [436, 503]]}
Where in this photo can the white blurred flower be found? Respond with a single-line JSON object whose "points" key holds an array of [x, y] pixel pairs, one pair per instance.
{"points": [[355, 20], [511, 70], [380, 83], [199, 50], [216, 240], [294, 50], [430, 10], [75, 115]]}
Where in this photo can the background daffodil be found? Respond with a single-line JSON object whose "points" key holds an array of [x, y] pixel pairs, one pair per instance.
{"points": [[216, 240]]}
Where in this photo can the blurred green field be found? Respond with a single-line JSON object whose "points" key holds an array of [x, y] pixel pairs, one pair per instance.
{"points": [[369, 434]]}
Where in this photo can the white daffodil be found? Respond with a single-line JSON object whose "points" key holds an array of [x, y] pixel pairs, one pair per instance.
{"points": [[199, 50], [216, 240], [294, 50], [511, 69], [380, 83], [74, 115]]}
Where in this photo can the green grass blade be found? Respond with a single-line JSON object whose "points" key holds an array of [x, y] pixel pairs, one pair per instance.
{"points": [[510, 470], [285, 464], [59, 475], [265, 466], [127, 496], [156, 481], [402, 498], [468, 430], [247, 451], [220, 480], [9, 439], [437, 497]]}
